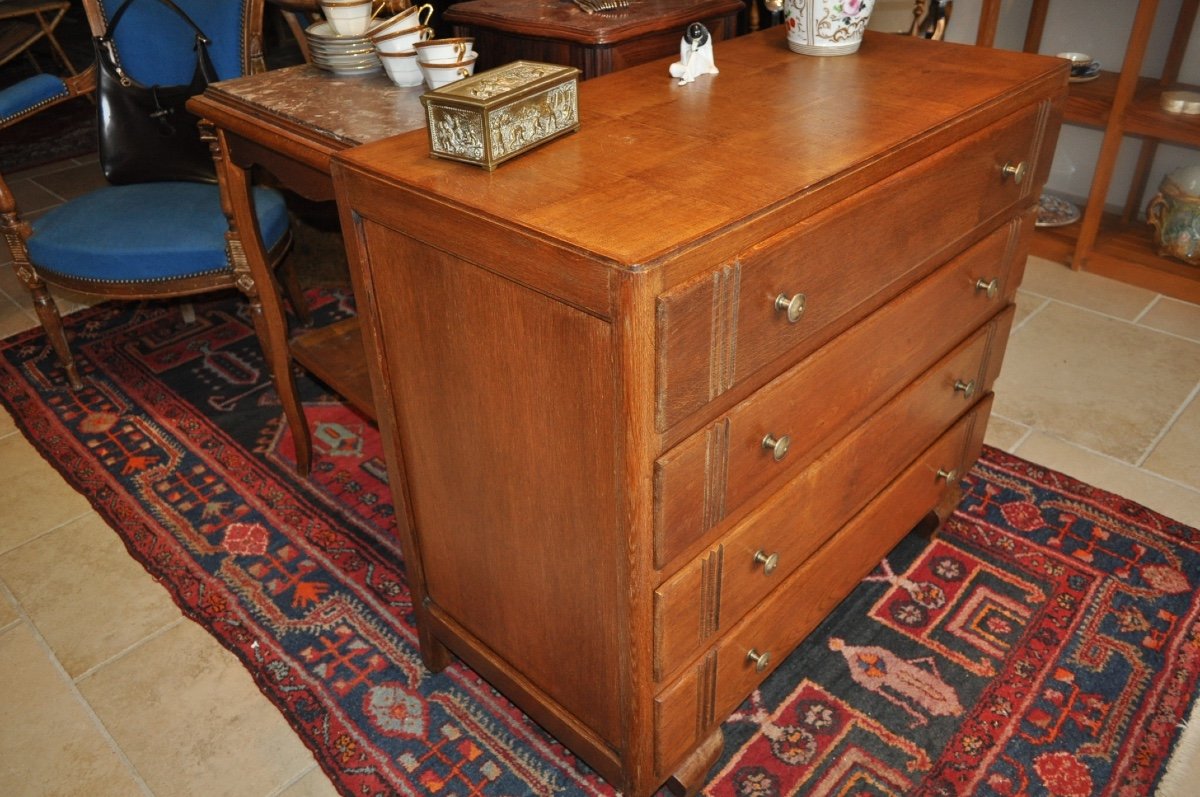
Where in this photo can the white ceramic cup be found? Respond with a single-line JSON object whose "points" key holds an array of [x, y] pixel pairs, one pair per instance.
{"points": [[438, 75], [401, 41], [404, 19], [444, 51], [348, 17], [826, 27], [1078, 60], [402, 68]]}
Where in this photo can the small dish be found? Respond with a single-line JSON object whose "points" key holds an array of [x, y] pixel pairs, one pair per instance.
{"points": [[1090, 72], [1055, 211]]}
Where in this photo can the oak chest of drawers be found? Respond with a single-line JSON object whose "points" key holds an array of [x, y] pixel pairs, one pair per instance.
{"points": [[656, 395]]}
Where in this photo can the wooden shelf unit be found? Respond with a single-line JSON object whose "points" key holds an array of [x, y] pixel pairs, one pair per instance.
{"points": [[1124, 104]]}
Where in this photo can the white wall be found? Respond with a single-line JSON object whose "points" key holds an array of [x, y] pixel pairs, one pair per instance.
{"points": [[1101, 28]]}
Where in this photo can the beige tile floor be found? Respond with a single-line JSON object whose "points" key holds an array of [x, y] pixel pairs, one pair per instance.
{"points": [[108, 690]]}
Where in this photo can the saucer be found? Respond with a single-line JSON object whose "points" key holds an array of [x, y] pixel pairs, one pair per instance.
{"points": [[1055, 212], [1089, 72]]}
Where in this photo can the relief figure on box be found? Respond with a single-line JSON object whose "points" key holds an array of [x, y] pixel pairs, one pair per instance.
{"points": [[456, 132]]}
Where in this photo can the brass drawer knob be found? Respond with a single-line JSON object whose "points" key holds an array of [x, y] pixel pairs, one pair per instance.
{"points": [[761, 660], [778, 446], [948, 475], [990, 287], [966, 388], [768, 561], [792, 305], [1015, 171]]}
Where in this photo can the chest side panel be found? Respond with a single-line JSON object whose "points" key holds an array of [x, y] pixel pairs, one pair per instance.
{"points": [[504, 409]]}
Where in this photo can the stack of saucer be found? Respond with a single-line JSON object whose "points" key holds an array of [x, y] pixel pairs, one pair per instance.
{"points": [[341, 55]]}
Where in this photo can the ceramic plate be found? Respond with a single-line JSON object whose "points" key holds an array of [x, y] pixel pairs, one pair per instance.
{"points": [[1055, 212], [350, 71], [323, 32], [1090, 73]]}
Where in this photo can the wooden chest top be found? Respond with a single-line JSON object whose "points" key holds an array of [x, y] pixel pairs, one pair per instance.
{"points": [[657, 167]]}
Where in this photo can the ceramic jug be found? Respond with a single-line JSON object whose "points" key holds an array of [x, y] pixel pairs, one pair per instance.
{"points": [[1175, 215], [826, 27]]}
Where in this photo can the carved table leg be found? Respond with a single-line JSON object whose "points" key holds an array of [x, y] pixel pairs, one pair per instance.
{"points": [[255, 279]]}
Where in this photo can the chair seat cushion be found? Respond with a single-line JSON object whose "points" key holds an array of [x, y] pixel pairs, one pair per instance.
{"points": [[29, 93], [145, 232]]}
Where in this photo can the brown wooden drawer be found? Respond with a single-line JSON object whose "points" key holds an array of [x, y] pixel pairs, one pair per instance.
{"points": [[717, 330], [719, 586], [719, 468], [689, 708]]}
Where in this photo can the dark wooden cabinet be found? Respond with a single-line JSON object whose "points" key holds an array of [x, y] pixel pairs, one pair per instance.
{"points": [[558, 32], [656, 395]]}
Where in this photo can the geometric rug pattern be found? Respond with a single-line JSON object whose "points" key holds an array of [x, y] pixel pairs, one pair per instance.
{"points": [[1045, 641]]}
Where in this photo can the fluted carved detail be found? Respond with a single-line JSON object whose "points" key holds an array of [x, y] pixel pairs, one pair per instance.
{"points": [[706, 698], [710, 592], [716, 472], [722, 351]]}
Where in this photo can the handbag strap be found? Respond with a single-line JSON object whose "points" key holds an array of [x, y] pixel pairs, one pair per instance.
{"points": [[109, 46], [201, 37]]}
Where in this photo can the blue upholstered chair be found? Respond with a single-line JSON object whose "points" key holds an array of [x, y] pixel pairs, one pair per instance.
{"points": [[147, 240]]}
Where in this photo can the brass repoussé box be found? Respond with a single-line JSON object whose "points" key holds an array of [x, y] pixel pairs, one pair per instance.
{"points": [[498, 114]]}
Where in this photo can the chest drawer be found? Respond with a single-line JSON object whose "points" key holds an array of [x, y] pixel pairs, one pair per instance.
{"points": [[718, 469], [718, 587], [795, 291], [691, 706]]}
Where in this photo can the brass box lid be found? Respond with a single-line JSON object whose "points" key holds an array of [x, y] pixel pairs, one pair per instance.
{"points": [[495, 115]]}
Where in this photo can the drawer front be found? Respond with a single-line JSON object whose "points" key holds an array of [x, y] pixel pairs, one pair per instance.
{"points": [[845, 261], [718, 469], [719, 586], [689, 708]]}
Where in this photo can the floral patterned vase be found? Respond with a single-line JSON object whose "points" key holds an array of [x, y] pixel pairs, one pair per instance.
{"points": [[1175, 215], [826, 27]]}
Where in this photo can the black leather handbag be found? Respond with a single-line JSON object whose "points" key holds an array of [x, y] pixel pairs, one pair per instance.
{"points": [[145, 132]]}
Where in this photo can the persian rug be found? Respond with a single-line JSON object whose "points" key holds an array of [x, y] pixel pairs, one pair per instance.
{"points": [[1046, 641]]}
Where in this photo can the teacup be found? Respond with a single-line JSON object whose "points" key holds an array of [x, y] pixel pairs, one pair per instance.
{"points": [[826, 27], [348, 17], [444, 51], [404, 19], [401, 41], [1079, 62], [438, 75], [402, 68]]}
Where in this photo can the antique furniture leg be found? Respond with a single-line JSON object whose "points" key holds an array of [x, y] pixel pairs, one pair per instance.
{"points": [[691, 775], [15, 232], [256, 280], [295, 293]]}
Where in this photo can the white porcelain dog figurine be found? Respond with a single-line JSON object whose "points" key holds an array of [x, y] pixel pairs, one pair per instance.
{"points": [[695, 55]]}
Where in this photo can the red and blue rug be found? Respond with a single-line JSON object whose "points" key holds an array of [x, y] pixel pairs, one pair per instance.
{"points": [[1046, 641]]}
